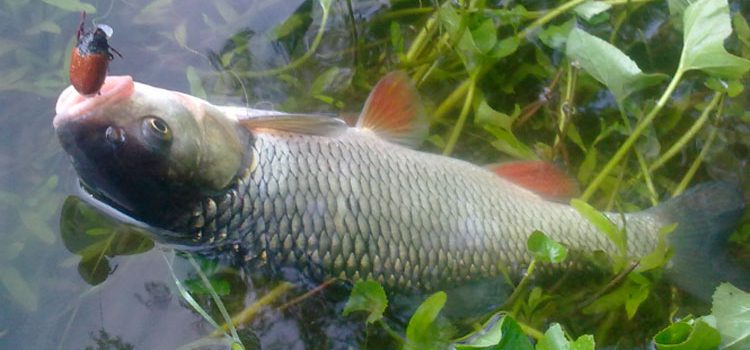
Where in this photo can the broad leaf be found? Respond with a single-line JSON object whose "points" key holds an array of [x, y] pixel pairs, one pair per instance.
{"points": [[731, 308], [706, 25], [423, 331], [502, 334], [591, 9], [688, 335], [367, 296], [608, 64], [555, 339], [546, 249], [603, 223]]}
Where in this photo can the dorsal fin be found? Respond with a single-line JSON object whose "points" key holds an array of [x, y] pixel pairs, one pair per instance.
{"points": [[395, 112], [300, 123], [544, 178]]}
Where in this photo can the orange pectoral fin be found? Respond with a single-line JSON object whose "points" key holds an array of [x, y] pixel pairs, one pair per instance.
{"points": [[544, 178]]}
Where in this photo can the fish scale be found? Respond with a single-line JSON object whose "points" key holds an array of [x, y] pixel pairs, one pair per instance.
{"points": [[354, 206]]}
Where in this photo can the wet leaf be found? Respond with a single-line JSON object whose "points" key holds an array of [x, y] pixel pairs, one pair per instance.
{"points": [[323, 82], [731, 87], [397, 38], [590, 9], [586, 170], [731, 308], [367, 296], [423, 330], [602, 223], [37, 226], [19, 290], [502, 334], [545, 249], [706, 25], [72, 5], [555, 339], [688, 335], [219, 285], [484, 36], [608, 65], [91, 234]]}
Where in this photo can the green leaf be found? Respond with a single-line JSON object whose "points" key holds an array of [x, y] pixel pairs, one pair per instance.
{"points": [[688, 335], [707, 24], [196, 85], [590, 9], [608, 65], [72, 5], [19, 290], [324, 81], [397, 38], [83, 227], [503, 334], [556, 36], [486, 115], [587, 166], [603, 224], [731, 308], [545, 249], [555, 339], [44, 27], [367, 296], [293, 23], [484, 36], [661, 253], [423, 331]]}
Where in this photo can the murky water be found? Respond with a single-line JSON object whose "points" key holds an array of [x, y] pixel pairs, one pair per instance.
{"points": [[49, 297]]}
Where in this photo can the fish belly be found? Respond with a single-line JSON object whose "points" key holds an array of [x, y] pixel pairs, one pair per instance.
{"points": [[357, 207]]}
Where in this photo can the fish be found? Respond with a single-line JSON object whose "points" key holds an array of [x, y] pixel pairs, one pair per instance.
{"points": [[311, 193]]}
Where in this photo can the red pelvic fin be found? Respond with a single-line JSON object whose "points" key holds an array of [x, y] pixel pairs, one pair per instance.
{"points": [[544, 178], [395, 112]]}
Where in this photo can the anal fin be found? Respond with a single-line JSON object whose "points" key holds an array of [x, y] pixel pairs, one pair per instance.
{"points": [[544, 178]]}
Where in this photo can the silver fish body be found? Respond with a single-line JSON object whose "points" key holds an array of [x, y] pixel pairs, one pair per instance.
{"points": [[357, 207]]}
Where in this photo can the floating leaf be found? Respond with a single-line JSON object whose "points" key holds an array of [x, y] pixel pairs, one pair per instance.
{"points": [[608, 65], [72, 5], [731, 308], [423, 330], [706, 25], [545, 249], [688, 335], [16, 285], [81, 228], [367, 296]]}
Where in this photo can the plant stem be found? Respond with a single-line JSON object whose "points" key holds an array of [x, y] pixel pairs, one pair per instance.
{"points": [[689, 135], [298, 62], [630, 141], [464, 114], [548, 17], [249, 313], [521, 285], [217, 300], [641, 162], [698, 160], [531, 331], [451, 100]]}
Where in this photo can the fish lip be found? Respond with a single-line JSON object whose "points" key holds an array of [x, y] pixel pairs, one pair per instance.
{"points": [[71, 105]]}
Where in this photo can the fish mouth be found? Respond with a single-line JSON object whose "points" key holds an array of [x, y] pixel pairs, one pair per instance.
{"points": [[72, 105]]}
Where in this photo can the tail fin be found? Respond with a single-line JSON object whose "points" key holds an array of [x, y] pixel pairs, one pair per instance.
{"points": [[706, 215]]}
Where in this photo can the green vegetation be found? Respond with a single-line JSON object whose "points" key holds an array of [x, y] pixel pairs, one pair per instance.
{"points": [[638, 99]]}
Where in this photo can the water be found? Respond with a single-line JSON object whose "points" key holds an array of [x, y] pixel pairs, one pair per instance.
{"points": [[47, 300]]}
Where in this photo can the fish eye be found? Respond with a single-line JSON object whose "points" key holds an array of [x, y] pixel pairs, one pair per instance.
{"points": [[157, 127]]}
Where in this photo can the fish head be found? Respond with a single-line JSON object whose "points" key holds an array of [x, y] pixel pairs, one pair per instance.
{"points": [[144, 150]]}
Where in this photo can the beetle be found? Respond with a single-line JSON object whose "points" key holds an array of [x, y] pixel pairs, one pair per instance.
{"points": [[90, 58]]}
